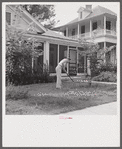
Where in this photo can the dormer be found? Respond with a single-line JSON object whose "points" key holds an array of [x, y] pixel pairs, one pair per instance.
{"points": [[84, 12]]}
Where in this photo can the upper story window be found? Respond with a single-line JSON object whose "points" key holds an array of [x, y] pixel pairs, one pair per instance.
{"points": [[108, 25], [83, 29], [64, 32], [8, 18], [94, 26], [73, 32], [80, 15]]}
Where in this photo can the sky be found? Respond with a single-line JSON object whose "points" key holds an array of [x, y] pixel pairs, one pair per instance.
{"points": [[66, 12]]}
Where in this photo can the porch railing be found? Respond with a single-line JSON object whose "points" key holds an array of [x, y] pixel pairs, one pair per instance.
{"points": [[110, 32], [95, 33], [85, 35]]}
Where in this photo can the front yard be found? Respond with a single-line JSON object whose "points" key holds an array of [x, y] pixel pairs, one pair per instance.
{"points": [[45, 99]]}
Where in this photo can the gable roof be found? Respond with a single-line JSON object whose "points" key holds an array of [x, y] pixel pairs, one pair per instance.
{"points": [[26, 14], [96, 11], [83, 9]]}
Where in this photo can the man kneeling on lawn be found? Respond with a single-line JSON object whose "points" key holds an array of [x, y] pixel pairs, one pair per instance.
{"points": [[61, 66]]}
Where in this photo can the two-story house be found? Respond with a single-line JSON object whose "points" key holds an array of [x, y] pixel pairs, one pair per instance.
{"points": [[98, 23], [54, 46]]}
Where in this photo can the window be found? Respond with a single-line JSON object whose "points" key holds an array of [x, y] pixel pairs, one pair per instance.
{"points": [[73, 32], [82, 29], [65, 33], [108, 25], [8, 18], [80, 15], [94, 26]]}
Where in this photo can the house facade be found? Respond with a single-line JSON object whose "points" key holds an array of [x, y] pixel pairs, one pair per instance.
{"points": [[55, 46], [98, 24]]}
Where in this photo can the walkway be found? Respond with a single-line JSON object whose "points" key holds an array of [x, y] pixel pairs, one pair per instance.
{"points": [[104, 109]]}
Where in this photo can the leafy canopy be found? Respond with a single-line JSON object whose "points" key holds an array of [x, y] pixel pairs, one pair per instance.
{"points": [[45, 14]]}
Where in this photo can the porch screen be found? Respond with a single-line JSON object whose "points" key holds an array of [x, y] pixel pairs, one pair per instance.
{"points": [[62, 52], [53, 57]]}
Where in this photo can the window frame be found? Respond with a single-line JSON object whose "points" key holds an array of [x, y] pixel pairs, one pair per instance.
{"points": [[73, 32], [93, 26], [8, 21], [82, 29]]}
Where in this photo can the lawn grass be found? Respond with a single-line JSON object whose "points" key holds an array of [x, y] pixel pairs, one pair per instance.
{"points": [[45, 99]]}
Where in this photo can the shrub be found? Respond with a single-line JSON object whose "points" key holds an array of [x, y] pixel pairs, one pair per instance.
{"points": [[95, 70], [108, 67], [52, 79], [16, 93], [106, 77]]}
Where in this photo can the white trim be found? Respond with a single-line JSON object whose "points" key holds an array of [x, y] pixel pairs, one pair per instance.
{"points": [[67, 32], [58, 54], [90, 28], [104, 24], [104, 53], [36, 22], [55, 40], [78, 30]]}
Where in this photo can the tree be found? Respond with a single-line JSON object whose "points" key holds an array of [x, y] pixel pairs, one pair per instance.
{"points": [[92, 50], [45, 14]]}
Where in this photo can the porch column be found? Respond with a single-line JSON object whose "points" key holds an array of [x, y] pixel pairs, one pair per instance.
{"points": [[46, 53], [67, 32], [88, 66], [68, 57], [78, 31], [116, 28], [32, 56], [104, 25], [104, 53], [58, 55], [116, 53], [77, 58], [85, 67], [90, 28]]}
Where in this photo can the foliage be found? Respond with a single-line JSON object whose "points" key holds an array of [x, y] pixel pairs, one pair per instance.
{"points": [[108, 67], [16, 93], [106, 77], [19, 54], [18, 61], [43, 13], [92, 50]]}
